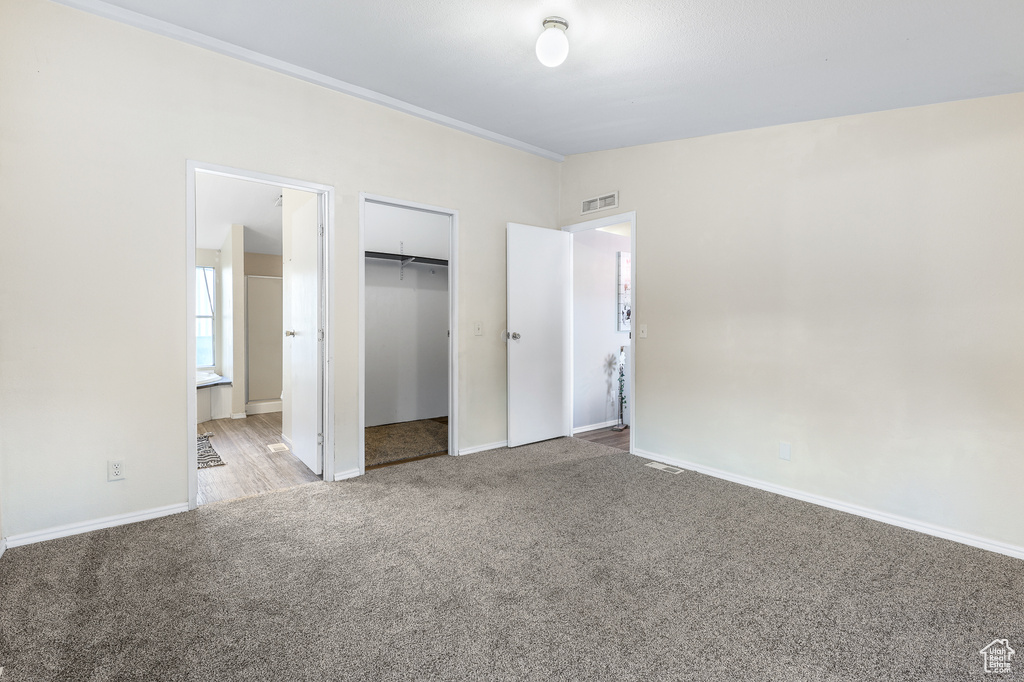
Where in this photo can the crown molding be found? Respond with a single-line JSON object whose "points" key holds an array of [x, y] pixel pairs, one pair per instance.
{"points": [[168, 30]]}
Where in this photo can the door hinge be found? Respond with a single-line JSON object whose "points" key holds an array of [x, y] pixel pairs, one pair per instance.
{"points": [[320, 335], [319, 439], [320, 229]]}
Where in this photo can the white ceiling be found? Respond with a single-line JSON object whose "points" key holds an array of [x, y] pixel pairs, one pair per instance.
{"points": [[638, 70], [222, 202]]}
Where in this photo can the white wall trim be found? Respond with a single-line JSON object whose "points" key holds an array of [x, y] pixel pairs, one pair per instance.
{"points": [[191, 399], [594, 427], [3, 546], [855, 509], [327, 281], [484, 448], [168, 30], [348, 473], [263, 407], [361, 341], [597, 223], [239, 415], [95, 524], [286, 440]]}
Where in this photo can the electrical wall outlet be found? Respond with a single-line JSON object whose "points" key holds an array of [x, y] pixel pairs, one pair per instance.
{"points": [[115, 470], [785, 450], [478, 328]]}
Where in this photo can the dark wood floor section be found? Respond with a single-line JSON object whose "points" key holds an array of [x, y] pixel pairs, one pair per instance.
{"points": [[251, 468], [616, 439]]}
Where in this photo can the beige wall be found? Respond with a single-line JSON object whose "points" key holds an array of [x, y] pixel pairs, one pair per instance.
{"points": [[264, 338], [209, 258], [94, 112], [267, 265], [265, 334], [852, 286]]}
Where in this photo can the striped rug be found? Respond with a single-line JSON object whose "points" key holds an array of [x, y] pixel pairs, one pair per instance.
{"points": [[208, 457]]}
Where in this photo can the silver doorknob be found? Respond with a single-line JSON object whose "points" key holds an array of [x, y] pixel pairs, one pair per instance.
{"points": [[515, 336], [290, 332]]}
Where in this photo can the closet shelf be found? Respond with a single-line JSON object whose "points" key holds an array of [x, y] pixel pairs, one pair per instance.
{"points": [[406, 259]]}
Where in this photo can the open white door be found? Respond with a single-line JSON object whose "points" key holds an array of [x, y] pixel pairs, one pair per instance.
{"points": [[302, 391], [539, 281]]}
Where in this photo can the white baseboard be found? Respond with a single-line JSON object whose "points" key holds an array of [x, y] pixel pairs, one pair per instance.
{"points": [[238, 415], [482, 448], [3, 546], [95, 524], [855, 509], [286, 440], [348, 473], [594, 427], [263, 407]]}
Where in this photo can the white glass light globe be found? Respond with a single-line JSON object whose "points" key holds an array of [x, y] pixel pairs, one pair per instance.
{"points": [[552, 46]]}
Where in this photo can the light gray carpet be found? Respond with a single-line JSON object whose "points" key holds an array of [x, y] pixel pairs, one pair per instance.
{"points": [[562, 561], [405, 440]]}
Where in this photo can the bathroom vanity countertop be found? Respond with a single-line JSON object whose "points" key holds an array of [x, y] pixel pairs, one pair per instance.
{"points": [[222, 382]]}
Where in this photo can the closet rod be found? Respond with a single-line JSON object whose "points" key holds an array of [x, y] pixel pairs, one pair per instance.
{"points": [[410, 259]]}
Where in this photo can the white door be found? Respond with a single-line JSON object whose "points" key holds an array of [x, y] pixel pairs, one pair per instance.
{"points": [[539, 280], [301, 377]]}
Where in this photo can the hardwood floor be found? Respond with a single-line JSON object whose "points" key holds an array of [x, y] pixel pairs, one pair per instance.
{"points": [[616, 439], [251, 467]]}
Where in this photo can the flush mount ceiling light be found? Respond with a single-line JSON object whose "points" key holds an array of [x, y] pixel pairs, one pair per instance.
{"points": [[553, 45]]}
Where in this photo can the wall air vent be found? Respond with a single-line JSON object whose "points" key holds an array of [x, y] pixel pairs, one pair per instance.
{"points": [[605, 201], [664, 467]]}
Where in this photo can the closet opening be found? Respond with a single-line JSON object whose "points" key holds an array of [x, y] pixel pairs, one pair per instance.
{"points": [[407, 297]]}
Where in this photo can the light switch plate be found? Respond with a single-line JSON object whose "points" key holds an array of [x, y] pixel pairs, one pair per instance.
{"points": [[785, 450]]}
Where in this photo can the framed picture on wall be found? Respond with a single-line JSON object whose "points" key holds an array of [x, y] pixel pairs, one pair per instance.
{"points": [[624, 293]]}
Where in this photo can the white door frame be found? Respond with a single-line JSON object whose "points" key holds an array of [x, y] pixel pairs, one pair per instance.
{"points": [[608, 221], [325, 201], [453, 317]]}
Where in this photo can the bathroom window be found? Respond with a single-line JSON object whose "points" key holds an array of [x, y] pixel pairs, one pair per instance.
{"points": [[206, 280]]}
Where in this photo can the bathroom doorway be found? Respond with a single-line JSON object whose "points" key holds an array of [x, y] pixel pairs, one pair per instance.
{"points": [[258, 330]]}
